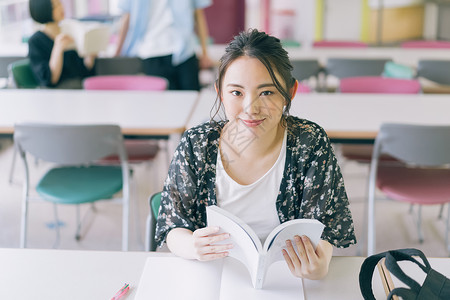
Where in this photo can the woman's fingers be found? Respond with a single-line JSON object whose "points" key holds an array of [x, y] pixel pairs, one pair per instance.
{"points": [[205, 243], [309, 249], [292, 254], [288, 260], [302, 255]]}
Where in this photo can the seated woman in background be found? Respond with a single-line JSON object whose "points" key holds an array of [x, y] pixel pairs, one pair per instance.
{"points": [[53, 60], [262, 165]]}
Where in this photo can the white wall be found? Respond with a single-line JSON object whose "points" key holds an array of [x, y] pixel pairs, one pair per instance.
{"points": [[342, 20]]}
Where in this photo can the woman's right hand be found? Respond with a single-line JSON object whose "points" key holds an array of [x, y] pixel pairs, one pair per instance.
{"points": [[205, 243], [64, 42]]}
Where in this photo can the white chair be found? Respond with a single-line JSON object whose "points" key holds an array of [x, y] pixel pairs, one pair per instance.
{"points": [[74, 180]]}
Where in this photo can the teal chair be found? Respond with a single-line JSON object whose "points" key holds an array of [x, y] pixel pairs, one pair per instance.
{"points": [[154, 203], [21, 74], [72, 180]]}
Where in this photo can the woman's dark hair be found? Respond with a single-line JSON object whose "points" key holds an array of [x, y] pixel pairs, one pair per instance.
{"points": [[268, 50], [41, 11]]}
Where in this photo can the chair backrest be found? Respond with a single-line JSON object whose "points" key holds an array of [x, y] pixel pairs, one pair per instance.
{"points": [[422, 145], [155, 202], [426, 44], [434, 70], [5, 61], [339, 44], [126, 82], [69, 144], [118, 66], [379, 85], [349, 67], [304, 69], [22, 75]]}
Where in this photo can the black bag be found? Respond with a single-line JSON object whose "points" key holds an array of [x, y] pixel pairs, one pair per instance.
{"points": [[435, 286]]}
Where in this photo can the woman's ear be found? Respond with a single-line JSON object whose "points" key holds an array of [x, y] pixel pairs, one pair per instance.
{"points": [[294, 89], [217, 90]]}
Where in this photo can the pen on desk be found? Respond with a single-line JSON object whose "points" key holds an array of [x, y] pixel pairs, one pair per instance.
{"points": [[121, 292]]}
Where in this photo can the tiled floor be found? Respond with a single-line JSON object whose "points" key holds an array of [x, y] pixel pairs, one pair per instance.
{"points": [[395, 226]]}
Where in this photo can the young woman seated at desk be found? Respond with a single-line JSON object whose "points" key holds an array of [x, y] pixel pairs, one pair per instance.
{"points": [[261, 164], [52, 59]]}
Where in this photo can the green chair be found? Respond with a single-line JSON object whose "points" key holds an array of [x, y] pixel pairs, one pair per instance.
{"points": [[21, 74], [72, 179], [154, 203]]}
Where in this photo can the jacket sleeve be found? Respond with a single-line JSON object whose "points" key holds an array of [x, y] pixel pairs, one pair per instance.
{"points": [[178, 198], [324, 190]]}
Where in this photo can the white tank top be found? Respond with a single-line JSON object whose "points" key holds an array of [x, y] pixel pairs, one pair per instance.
{"points": [[253, 203]]}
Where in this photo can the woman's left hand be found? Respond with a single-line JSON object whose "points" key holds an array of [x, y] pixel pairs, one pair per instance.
{"points": [[308, 263]]}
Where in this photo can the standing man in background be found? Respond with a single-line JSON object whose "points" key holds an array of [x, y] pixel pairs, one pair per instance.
{"points": [[162, 34]]}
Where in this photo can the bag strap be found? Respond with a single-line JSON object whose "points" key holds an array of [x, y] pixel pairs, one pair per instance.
{"points": [[366, 275], [369, 264], [402, 292], [394, 256]]}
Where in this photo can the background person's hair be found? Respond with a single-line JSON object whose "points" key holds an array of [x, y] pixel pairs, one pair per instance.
{"points": [[41, 11], [269, 51]]}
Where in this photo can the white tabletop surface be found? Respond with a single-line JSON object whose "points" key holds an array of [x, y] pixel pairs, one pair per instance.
{"points": [[354, 116], [137, 112], [69, 274]]}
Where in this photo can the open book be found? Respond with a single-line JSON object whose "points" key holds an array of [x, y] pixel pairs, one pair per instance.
{"points": [[166, 276], [89, 37], [247, 247]]}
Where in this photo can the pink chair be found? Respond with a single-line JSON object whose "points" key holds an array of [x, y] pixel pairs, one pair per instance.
{"points": [[379, 85], [421, 176], [339, 44], [125, 82], [138, 150], [426, 44], [303, 88]]}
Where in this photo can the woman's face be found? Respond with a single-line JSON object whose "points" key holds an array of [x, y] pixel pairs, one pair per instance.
{"points": [[57, 11], [250, 97]]}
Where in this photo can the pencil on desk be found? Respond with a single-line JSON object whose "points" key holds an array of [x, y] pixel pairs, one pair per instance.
{"points": [[121, 292], [386, 278]]}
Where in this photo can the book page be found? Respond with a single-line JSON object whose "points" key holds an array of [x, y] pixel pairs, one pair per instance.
{"points": [[246, 244], [89, 37], [279, 283], [178, 278], [277, 238]]}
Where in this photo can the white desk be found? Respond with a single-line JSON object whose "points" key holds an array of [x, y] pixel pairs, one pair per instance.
{"points": [[354, 116], [408, 57], [64, 274], [137, 112]]}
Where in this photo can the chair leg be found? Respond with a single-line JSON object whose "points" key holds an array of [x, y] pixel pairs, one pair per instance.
{"points": [[77, 233], [419, 224], [81, 220], [447, 227], [152, 231], [147, 233], [125, 221], [441, 209], [13, 165], [55, 212], [23, 229]]}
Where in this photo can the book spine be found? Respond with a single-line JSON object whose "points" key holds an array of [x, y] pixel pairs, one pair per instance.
{"points": [[260, 272]]}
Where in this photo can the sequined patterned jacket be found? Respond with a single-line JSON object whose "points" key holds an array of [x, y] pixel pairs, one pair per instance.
{"points": [[312, 185]]}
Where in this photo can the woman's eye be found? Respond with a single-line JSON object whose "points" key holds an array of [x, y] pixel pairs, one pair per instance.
{"points": [[236, 93], [266, 93]]}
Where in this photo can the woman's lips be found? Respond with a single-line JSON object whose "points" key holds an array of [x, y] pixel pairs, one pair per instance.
{"points": [[253, 123]]}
